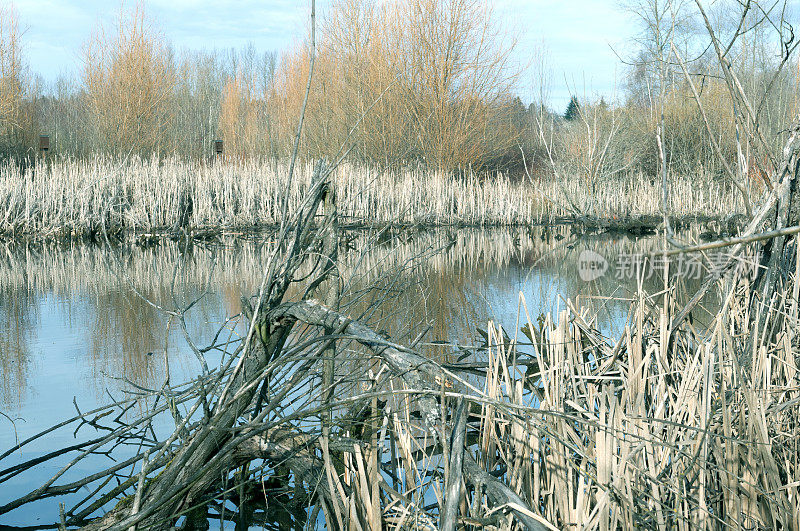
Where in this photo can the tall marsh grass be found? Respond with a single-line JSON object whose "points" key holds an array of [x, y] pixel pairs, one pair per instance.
{"points": [[654, 428], [80, 197], [640, 432]]}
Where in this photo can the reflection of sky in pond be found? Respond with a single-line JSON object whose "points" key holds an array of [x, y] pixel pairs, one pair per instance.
{"points": [[72, 326], [544, 292]]}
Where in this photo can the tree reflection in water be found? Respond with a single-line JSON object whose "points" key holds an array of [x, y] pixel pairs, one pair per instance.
{"points": [[447, 281], [18, 321]]}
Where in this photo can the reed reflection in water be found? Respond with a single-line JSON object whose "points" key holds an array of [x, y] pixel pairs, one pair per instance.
{"points": [[78, 310], [18, 321]]}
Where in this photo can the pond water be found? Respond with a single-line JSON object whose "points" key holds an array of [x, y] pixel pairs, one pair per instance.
{"points": [[81, 323]]}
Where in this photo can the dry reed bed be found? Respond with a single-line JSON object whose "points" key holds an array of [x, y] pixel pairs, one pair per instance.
{"points": [[639, 432], [77, 197], [697, 434], [562, 427]]}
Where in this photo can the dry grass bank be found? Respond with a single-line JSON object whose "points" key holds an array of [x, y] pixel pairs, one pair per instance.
{"points": [[75, 197]]}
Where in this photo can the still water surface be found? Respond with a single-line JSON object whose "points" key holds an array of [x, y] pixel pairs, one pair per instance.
{"points": [[75, 328]]}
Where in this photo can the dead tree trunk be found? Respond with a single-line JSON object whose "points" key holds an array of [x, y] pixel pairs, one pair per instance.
{"points": [[779, 254]]}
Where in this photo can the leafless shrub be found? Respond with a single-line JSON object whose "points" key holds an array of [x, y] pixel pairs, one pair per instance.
{"points": [[129, 80], [17, 121], [435, 74]]}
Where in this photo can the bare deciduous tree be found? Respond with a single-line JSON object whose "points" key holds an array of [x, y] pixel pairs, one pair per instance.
{"points": [[129, 82]]}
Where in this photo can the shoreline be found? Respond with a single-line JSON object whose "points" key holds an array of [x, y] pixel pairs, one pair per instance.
{"points": [[713, 227], [78, 198]]}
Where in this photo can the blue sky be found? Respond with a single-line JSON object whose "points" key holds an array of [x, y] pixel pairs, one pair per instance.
{"points": [[578, 35]]}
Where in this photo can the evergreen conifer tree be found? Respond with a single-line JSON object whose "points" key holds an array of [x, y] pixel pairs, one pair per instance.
{"points": [[573, 108]]}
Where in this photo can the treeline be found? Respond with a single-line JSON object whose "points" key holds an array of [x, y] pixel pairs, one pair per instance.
{"points": [[421, 82], [405, 83]]}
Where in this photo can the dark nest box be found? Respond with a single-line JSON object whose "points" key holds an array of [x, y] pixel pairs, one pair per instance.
{"points": [[218, 147], [44, 144]]}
